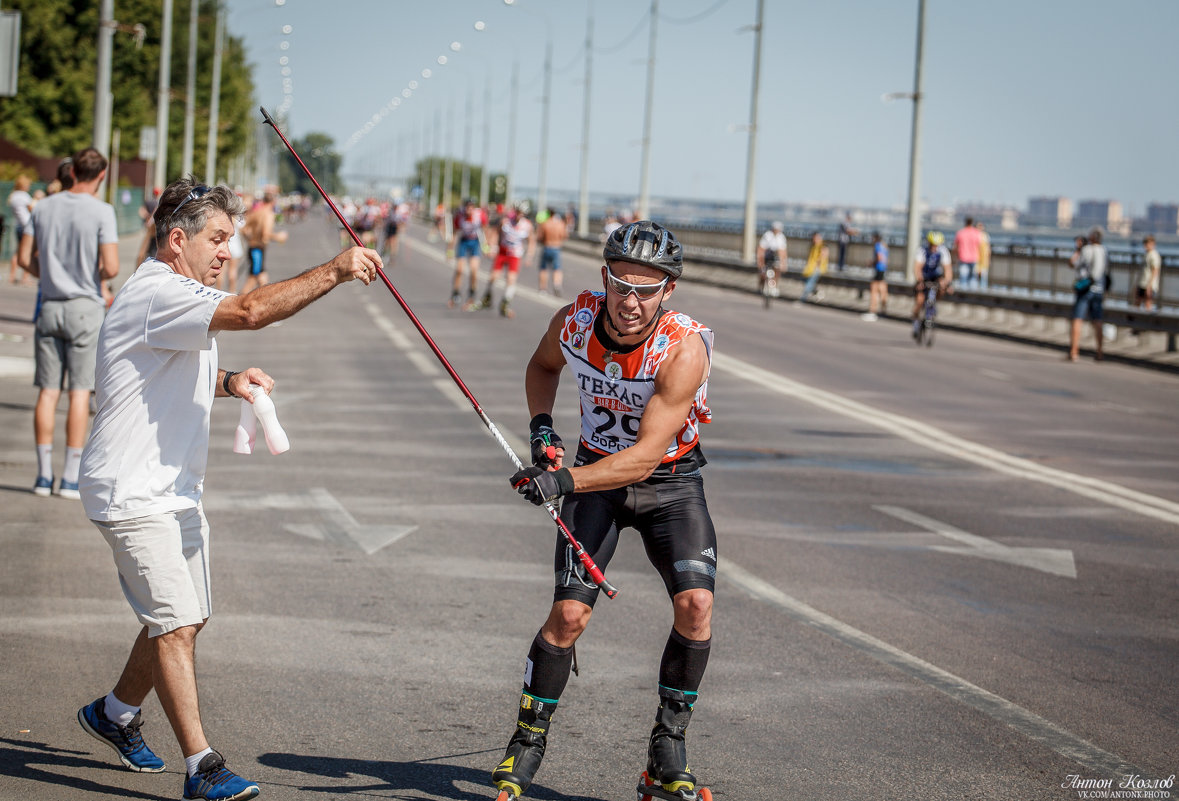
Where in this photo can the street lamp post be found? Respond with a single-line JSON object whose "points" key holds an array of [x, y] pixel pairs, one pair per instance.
{"points": [[485, 174], [913, 234], [749, 238], [644, 210], [583, 188], [215, 100], [190, 90], [510, 187], [542, 178], [165, 84], [102, 90]]}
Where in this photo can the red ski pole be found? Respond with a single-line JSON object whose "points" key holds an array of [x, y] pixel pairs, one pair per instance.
{"points": [[587, 562]]}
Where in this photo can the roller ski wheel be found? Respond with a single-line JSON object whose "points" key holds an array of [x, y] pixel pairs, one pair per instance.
{"points": [[649, 790], [506, 795]]}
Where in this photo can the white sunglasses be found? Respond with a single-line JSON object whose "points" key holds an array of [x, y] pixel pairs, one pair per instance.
{"points": [[641, 291]]}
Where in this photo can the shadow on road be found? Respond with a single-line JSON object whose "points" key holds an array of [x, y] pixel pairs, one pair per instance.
{"points": [[21, 758], [433, 778]]}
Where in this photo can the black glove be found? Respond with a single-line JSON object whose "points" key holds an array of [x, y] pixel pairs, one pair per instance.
{"points": [[541, 486], [544, 441]]}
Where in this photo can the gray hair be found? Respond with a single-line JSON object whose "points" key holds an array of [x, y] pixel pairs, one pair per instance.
{"points": [[188, 204]]}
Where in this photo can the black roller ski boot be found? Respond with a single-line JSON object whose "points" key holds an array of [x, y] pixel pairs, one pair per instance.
{"points": [[513, 775], [667, 775]]}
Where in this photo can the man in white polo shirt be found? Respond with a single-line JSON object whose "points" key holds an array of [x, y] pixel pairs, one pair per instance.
{"points": [[143, 467]]}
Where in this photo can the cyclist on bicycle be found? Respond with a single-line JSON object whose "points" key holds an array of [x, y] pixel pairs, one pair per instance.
{"points": [[933, 267], [771, 254]]}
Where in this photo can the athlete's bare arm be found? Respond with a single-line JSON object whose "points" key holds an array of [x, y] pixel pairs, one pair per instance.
{"points": [[679, 377], [273, 302], [543, 374]]}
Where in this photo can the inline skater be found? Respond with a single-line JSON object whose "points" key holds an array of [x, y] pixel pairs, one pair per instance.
{"points": [[933, 267], [642, 372], [514, 233], [468, 243]]}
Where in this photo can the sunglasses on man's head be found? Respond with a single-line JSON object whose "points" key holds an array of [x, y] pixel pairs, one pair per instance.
{"points": [[641, 291], [196, 193]]}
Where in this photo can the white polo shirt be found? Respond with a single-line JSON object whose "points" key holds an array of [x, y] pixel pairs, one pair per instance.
{"points": [[155, 377]]}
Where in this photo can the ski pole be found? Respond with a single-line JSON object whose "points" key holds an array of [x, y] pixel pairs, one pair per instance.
{"points": [[587, 561]]}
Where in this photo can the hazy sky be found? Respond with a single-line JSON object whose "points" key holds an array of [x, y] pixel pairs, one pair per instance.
{"points": [[1023, 97]]}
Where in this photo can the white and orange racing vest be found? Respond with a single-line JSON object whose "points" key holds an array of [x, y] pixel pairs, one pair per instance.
{"points": [[615, 387]]}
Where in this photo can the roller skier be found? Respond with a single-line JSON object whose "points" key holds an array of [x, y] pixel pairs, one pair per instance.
{"points": [[642, 374]]}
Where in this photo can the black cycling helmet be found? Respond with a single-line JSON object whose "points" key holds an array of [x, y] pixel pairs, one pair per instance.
{"points": [[646, 242]]}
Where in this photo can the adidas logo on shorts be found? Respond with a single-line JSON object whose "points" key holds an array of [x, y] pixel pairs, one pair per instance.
{"points": [[710, 553]]}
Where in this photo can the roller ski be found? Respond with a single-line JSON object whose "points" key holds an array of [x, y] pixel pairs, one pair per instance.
{"points": [[478, 305], [667, 775], [513, 776]]}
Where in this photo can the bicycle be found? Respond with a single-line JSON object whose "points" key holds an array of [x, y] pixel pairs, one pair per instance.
{"points": [[769, 284], [923, 330]]}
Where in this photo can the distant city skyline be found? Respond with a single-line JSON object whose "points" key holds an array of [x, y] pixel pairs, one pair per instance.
{"points": [[1055, 98]]}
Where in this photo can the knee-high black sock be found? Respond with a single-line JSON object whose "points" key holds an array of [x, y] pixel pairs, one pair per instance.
{"points": [[683, 663], [547, 670]]}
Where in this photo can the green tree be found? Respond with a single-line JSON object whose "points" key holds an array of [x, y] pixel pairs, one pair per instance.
{"points": [[53, 111], [318, 153]]}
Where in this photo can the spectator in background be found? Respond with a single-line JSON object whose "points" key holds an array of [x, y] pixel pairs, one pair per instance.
{"points": [[1091, 262], [966, 244], [816, 265], [148, 208], [878, 289], [1147, 285], [21, 202], [846, 232], [984, 255], [77, 241], [610, 225]]}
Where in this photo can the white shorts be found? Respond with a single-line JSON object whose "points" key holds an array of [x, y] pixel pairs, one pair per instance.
{"points": [[163, 563]]}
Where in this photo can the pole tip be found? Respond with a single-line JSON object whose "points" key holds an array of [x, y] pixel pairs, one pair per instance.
{"points": [[266, 116]]}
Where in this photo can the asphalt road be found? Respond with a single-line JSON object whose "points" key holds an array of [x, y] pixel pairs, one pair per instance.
{"points": [[946, 573]]}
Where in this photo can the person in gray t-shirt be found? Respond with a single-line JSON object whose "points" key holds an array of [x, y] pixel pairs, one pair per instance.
{"points": [[76, 241]]}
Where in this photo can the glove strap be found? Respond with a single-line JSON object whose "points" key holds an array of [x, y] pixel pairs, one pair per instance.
{"points": [[541, 420]]}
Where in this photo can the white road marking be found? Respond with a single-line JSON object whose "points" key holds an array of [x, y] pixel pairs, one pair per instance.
{"points": [[1009, 714], [921, 433], [448, 389], [16, 367], [336, 524], [424, 362], [1056, 561]]}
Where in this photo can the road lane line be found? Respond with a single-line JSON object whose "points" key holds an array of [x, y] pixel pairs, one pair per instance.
{"points": [[1009, 714], [921, 433], [425, 363], [1055, 561]]}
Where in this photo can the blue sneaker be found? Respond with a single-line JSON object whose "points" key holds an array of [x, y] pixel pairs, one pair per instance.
{"points": [[126, 740], [43, 487], [69, 489], [215, 782]]}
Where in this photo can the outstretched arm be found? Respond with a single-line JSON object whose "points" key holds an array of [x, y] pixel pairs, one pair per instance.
{"points": [[274, 302]]}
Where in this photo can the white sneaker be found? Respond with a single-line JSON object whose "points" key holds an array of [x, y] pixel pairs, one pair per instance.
{"points": [[868, 317]]}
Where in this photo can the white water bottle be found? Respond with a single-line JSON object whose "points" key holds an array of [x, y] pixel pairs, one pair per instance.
{"points": [[276, 438], [247, 428]]}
